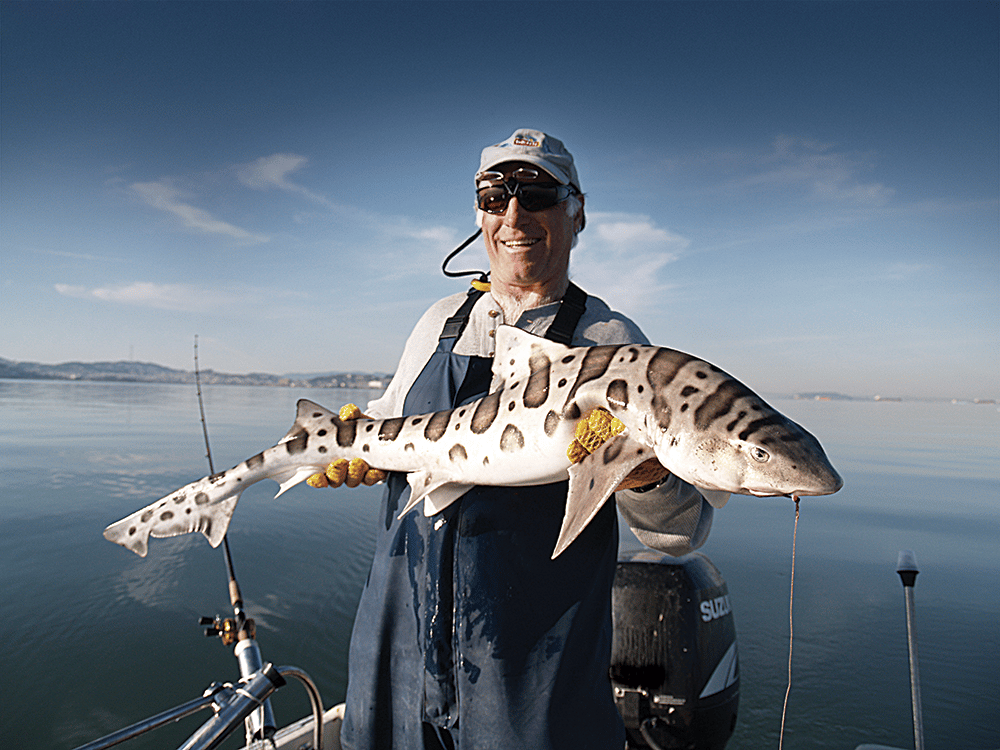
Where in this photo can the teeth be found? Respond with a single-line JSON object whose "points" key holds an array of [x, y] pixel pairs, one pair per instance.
{"points": [[519, 243]]}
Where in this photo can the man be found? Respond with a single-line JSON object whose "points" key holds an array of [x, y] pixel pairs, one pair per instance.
{"points": [[467, 634]]}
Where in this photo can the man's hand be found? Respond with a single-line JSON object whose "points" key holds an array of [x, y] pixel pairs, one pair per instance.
{"points": [[352, 473], [598, 426]]}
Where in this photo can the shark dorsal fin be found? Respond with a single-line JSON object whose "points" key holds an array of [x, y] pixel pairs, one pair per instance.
{"points": [[514, 351]]}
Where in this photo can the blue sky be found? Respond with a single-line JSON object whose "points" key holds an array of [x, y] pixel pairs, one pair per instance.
{"points": [[804, 193]]}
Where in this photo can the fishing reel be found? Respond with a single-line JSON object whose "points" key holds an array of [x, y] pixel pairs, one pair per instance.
{"points": [[227, 628]]}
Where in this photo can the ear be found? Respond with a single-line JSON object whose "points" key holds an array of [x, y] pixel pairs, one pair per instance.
{"points": [[581, 216]]}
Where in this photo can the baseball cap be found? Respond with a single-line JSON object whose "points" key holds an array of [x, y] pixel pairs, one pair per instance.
{"points": [[534, 147]]}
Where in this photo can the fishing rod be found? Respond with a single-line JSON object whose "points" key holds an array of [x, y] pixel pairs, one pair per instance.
{"points": [[240, 630]]}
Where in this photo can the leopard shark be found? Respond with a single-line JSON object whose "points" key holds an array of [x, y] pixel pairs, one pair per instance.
{"points": [[700, 423]]}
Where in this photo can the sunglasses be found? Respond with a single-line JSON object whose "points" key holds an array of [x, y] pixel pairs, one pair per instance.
{"points": [[493, 199]]}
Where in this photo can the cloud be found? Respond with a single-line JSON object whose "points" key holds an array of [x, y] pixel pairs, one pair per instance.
{"points": [[818, 169], [162, 196], [179, 297], [620, 256], [269, 172]]}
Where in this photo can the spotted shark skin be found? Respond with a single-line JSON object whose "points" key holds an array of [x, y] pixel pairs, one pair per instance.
{"points": [[700, 423]]}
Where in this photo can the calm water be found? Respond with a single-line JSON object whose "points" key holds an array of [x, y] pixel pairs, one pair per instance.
{"points": [[96, 638]]}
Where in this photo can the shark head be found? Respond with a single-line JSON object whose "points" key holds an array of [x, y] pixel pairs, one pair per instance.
{"points": [[715, 433], [780, 459]]}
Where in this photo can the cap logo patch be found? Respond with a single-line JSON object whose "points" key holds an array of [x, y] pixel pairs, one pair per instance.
{"points": [[530, 142]]}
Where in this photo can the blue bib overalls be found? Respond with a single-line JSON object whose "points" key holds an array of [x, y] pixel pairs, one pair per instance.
{"points": [[467, 634]]}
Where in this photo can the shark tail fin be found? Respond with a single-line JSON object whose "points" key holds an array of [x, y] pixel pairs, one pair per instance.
{"points": [[161, 520]]}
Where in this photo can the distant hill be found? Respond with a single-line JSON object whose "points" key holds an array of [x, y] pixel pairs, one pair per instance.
{"points": [[147, 372]]}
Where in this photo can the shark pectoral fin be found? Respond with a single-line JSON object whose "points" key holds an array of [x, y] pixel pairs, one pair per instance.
{"points": [[592, 481], [439, 492], [439, 499], [716, 498], [288, 479]]}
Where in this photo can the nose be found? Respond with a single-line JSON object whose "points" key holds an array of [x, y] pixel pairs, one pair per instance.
{"points": [[514, 213]]}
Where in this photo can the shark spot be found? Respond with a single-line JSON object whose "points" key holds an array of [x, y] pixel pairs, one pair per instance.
{"points": [[551, 423], [180, 499], [700, 375], [390, 428], [409, 447], [612, 451], [617, 394], [187, 511], [568, 358], [347, 431], [201, 499], [297, 442], [370, 427], [146, 516], [595, 363], [572, 411], [688, 391], [132, 530], [511, 440], [317, 414], [720, 402], [561, 383], [757, 424], [416, 420], [255, 461], [166, 515], [485, 413], [365, 448], [458, 452], [436, 425], [462, 413], [684, 407], [321, 433], [634, 354], [486, 460], [732, 425], [537, 390], [639, 389], [591, 483], [511, 405], [322, 449]]}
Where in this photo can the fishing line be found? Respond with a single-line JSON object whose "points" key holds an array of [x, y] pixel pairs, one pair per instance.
{"points": [[791, 599]]}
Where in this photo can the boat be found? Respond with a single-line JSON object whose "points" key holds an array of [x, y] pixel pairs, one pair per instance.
{"points": [[674, 668]]}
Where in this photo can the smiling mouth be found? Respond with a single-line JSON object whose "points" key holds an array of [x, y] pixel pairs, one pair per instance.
{"points": [[519, 244]]}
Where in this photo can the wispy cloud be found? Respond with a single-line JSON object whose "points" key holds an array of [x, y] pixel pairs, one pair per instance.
{"points": [[177, 297], [620, 256], [822, 171], [163, 196], [271, 172]]}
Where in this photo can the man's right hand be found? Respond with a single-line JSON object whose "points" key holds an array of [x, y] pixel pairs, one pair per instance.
{"points": [[352, 473]]}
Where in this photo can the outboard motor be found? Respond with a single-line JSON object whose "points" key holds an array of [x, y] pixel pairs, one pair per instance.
{"points": [[674, 664]]}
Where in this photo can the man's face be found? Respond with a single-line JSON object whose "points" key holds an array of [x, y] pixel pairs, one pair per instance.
{"points": [[529, 249]]}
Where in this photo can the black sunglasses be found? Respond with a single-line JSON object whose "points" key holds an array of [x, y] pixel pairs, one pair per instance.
{"points": [[493, 199]]}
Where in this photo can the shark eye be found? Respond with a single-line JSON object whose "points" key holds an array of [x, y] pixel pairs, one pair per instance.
{"points": [[759, 454]]}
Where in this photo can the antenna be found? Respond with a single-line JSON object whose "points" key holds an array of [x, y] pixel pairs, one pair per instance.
{"points": [[907, 569]]}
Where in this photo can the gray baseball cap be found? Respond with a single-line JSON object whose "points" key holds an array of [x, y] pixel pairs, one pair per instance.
{"points": [[534, 147]]}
